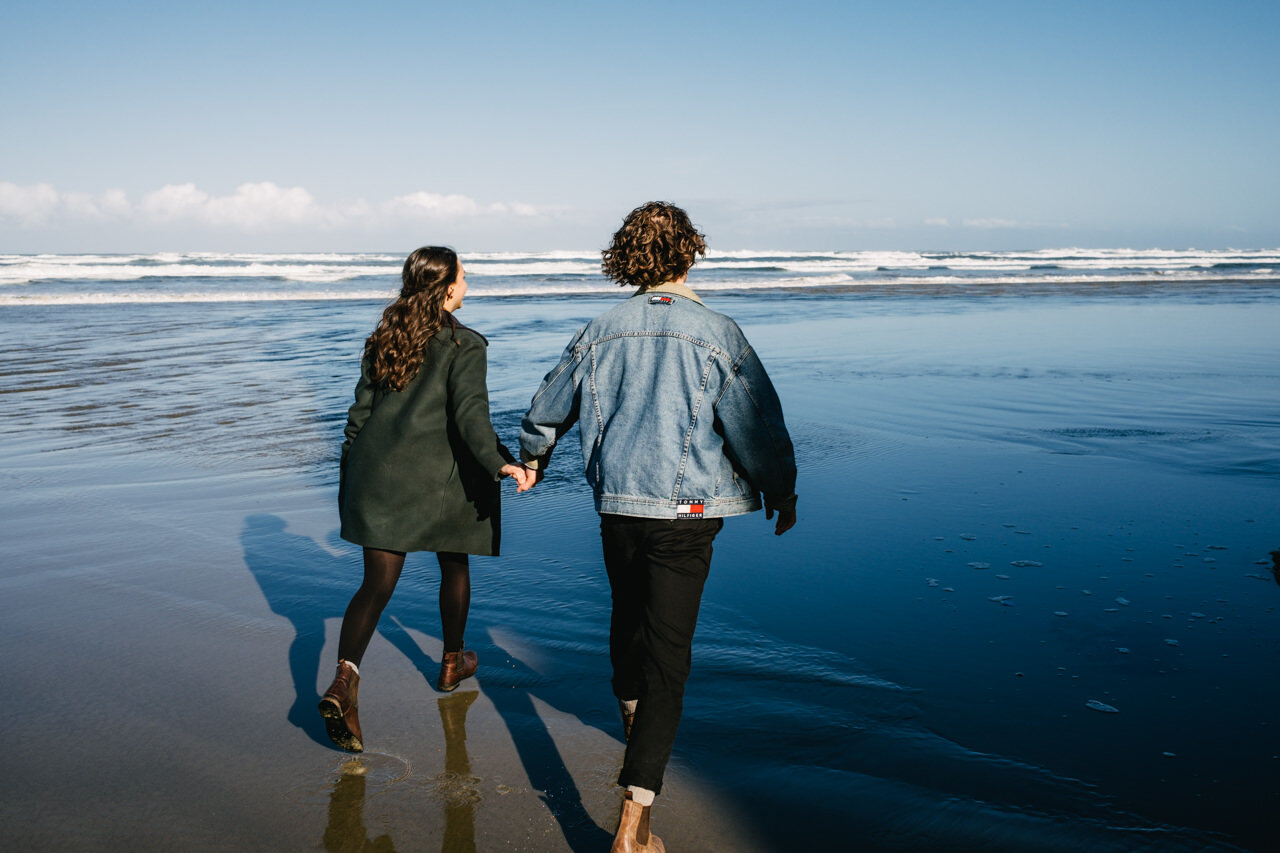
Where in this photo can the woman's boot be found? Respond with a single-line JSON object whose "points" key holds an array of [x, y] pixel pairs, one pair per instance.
{"points": [[633, 830], [339, 707], [454, 667]]}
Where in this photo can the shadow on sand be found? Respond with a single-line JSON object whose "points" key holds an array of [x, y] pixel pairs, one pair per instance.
{"points": [[307, 584], [539, 753]]}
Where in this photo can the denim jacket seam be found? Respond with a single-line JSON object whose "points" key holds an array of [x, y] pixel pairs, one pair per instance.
{"points": [[564, 365], [693, 423], [735, 368], [656, 333], [595, 408], [672, 502]]}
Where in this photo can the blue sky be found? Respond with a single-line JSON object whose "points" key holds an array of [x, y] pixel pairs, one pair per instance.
{"points": [[338, 126]]}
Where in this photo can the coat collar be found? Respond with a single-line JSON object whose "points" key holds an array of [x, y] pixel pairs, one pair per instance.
{"points": [[452, 322]]}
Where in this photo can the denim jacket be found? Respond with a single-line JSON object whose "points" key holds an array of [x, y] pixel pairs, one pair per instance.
{"points": [[677, 416]]}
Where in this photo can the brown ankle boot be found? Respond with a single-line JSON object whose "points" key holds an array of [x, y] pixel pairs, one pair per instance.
{"points": [[339, 707], [633, 830], [454, 667]]}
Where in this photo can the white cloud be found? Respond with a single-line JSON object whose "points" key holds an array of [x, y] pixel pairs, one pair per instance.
{"points": [[937, 221], [264, 205], [424, 204], [992, 223], [252, 207], [32, 205], [173, 202]]}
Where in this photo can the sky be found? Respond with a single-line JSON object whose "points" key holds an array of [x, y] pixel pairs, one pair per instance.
{"points": [[526, 126]]}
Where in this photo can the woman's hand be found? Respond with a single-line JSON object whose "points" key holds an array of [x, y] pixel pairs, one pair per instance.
{"points": [[519, 474]]}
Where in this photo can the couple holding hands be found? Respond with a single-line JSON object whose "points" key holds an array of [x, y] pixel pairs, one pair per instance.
{"points": [[680, 427]]}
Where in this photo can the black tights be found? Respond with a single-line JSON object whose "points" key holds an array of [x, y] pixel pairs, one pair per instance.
{"points": [[381, 572]]}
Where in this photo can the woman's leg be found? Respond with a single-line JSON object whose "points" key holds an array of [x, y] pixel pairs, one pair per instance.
{"points": [[455, 598], [381, 572]]}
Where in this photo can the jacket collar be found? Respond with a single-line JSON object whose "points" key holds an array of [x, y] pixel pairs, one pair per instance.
{"points": [[671, 287], [452, 322]]}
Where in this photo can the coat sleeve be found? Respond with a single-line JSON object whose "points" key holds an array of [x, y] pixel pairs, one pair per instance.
{"points": [[554, 408], [468, 402], [356, 416], [749, 415]]}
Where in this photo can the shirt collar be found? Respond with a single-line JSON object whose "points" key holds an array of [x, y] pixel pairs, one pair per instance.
{"points": [[672, 287]]}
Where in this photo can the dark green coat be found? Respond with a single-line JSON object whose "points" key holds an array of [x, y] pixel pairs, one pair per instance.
{"points": [[420, 467]]}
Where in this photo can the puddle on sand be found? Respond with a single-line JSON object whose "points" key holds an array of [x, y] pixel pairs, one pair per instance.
{"points": [[377, 769]]}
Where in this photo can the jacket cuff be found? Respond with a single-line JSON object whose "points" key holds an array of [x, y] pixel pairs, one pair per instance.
{"points": [[503, 459], [535, 462], [782, 505]]}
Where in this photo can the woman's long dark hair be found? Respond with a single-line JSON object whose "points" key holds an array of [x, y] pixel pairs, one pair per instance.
{"points": [[396, 349]]}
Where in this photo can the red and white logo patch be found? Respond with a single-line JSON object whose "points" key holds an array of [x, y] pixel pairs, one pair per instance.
{"points": [[689, 510]]}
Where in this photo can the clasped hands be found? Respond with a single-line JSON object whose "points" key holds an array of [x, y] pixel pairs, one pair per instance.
{"points": [[526, 478]]}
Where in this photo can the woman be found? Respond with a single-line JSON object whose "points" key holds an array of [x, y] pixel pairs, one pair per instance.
{"points": [[420, 471]]}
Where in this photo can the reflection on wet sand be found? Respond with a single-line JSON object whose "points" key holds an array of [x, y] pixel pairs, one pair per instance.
{"points": [[346, 831], [456, 786]]}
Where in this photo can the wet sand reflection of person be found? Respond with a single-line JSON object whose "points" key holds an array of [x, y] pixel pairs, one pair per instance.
{"points": [[346, 832], [459, 789]]}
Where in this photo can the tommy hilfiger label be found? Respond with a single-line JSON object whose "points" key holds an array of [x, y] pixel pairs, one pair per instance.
{"points": [[660, 300], [693, 509]]}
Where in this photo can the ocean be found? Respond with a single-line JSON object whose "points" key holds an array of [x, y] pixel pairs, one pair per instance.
{"points": [[210, 277], [1030, 603]]}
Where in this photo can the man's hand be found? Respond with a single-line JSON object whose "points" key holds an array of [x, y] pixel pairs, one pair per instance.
{"points": [[532, 477], [786, 516]]}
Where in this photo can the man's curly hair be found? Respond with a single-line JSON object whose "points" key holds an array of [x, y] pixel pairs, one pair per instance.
{"points": [[656, 243]]}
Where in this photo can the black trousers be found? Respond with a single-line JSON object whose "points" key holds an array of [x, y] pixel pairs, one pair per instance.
{"points": [[657, 569]]}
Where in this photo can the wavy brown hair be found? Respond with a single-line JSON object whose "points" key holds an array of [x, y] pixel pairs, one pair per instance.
{"points": [[656, 243], [397, 348]]}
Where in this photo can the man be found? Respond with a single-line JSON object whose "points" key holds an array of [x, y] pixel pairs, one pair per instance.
{"points": [[680, 428]]}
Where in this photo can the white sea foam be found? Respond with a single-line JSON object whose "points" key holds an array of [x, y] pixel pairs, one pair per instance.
{"points": [[159, 297], [54, 279], [532, 268], [777, 283], [590, 255], [24, 274]]}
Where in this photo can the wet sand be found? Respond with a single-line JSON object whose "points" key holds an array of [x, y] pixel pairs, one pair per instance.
{"points": [[165, 702], [982, 482]]}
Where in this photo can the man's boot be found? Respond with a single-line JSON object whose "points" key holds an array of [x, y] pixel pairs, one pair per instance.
{"points": [[633, 830], [339, 707]]}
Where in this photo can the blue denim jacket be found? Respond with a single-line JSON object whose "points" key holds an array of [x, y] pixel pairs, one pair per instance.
{"points": [[677, 416]]}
